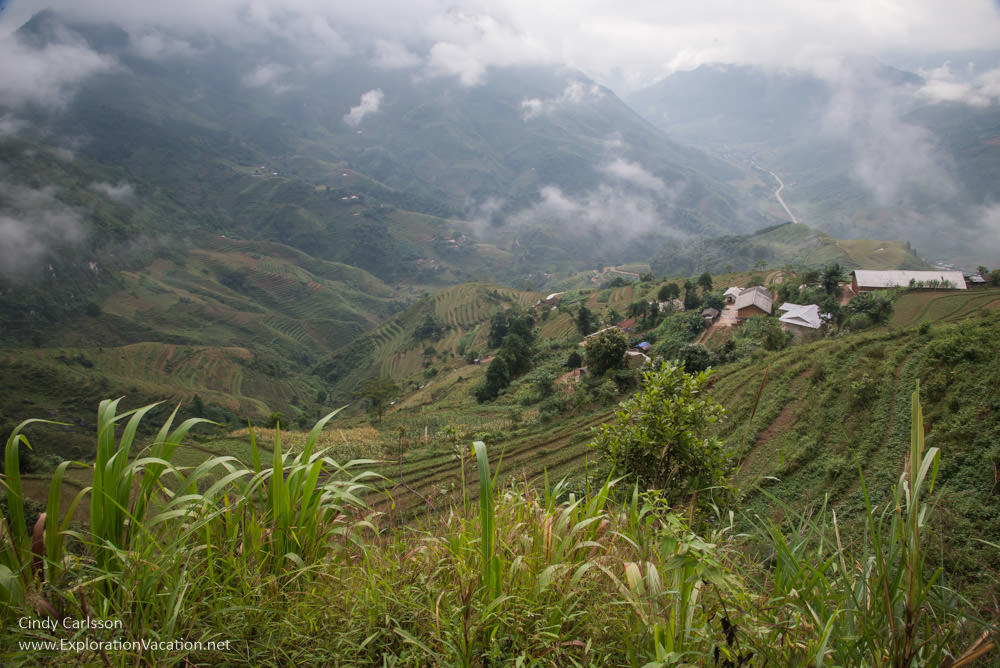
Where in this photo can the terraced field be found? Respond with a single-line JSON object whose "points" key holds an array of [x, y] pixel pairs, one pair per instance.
{"points": [[916, 306]]}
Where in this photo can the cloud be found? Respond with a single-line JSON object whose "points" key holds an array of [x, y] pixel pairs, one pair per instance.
{"points": [[635, 174], [32, 224], [574, 93], [118, 193], [390, 55], [47, 76], [971, 88], [155, 45], [268, 75], [370, 103], [630, 204], [894, 159], [623, 46], [11, 126]]}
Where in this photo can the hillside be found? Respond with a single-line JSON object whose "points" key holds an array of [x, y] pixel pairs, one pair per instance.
{"points": [[790, 244]]}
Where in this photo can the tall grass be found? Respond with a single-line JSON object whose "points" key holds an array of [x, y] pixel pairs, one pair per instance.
{"points": [[286, 561]]}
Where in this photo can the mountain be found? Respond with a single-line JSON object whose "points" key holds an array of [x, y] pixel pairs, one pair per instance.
{"points": [[865, 150], [257, 142]]}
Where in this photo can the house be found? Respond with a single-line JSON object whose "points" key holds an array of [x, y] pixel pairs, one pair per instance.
{"points": [[975, 279], [710, 314], [554, 298], [865, 280], [731, 294], [753, 301], [801, 320], [643, 347]]}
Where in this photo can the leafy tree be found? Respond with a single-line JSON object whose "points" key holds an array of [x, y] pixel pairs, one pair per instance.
{"points": [[498, 329], [606, 351], [715, 300], [764, 332], [691, 300], [668, 291], [516, 351], [377, 392], [637, 309], [660, 439], [876, 307], [574, 360], [832, 276], [705, 282], [695, 357], [429, 328], [497, 378], [810, 276], [585, 320]]}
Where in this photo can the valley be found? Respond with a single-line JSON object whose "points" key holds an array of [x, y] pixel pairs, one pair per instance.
{"points": [[333, 351]]}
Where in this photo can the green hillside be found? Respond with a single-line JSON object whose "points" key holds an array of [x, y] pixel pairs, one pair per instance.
{"points": [[790, 244]]}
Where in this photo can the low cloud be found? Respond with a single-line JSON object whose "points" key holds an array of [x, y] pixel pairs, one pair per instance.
{"points": [[268, 75], [118, 193], [974, 89], [46, 76], [634, 174], [11, 126], [574, 93], [32, 224], [631, 203], [370, 104], [389, 55], [154, 45], [894, 159]]}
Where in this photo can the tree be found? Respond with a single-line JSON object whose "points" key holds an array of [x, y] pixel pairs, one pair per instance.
{"points": [[574, 360], [832, 276], [606, 351], [668, 291], [377, 392], [429, 328], [705, 282], [691, 299], [660, 439], [585, 320], [497, 378]]}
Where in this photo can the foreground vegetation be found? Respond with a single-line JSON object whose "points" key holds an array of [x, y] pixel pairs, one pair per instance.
{"points": [[286, 562]]}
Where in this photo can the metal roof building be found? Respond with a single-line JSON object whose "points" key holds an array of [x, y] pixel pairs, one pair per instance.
{"points": [[865, 280]]}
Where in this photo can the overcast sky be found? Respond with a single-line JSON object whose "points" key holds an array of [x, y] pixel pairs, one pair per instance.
{"points": [[624, 45]]}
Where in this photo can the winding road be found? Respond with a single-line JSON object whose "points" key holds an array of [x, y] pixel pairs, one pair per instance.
{"points": [[777, 193]]}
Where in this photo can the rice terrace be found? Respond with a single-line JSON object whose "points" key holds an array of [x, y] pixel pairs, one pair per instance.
{"points": [[636, 336]]}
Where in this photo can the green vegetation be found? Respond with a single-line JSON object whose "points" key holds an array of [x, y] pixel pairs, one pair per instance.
{"points": [[600, 575], [660, 442]]}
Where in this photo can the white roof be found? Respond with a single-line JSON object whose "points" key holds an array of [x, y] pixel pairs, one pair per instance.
{"points": [[803, 316], [734, 291], [899, 278]]}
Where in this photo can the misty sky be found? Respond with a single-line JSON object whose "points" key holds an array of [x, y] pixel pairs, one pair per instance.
{"points": [[624, 45]]}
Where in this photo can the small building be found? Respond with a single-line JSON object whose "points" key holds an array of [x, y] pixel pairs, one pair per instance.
{"points": [[975, 280], [710, 314], [554, 298], [731, 294], [753, 301], [643, 347], [801, 320], [865, 280]]}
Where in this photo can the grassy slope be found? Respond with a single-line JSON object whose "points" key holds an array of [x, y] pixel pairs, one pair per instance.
{"points": [[789, 244]]}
